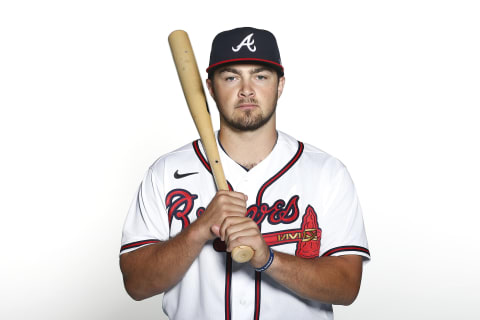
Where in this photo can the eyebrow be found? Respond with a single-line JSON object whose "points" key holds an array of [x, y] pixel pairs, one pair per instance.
{"points": [[261, 69], [236, 71], [229, 69]]}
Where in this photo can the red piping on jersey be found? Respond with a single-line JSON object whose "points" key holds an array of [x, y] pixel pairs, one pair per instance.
{"points": [[228, 281], [205, 162], [200, 156], [228, 286], [258, 281], [138, 244], [346, 248], [280, 173]]}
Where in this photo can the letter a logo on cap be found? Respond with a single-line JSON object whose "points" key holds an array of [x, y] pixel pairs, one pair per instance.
{"points": [[248, 42]]}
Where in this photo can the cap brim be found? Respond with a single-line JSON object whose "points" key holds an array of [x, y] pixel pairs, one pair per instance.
{"points": [[274, 65]]}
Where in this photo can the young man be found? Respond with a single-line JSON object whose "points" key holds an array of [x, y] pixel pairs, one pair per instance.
{"points": [[293, 204]]}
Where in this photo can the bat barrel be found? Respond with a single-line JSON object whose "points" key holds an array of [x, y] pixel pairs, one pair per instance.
{"points": [[191, 82]]}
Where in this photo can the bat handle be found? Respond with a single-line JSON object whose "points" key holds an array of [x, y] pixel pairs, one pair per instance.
{"points": [[242, 254]]}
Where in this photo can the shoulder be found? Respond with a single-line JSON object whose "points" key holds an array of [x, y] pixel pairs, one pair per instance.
{"points": [[311, 155], [184, 154]]}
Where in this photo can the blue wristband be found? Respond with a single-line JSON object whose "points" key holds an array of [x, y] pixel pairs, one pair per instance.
{"points": [[268, 264]]}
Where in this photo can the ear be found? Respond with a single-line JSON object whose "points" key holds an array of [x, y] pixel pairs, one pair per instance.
{"points": [[210, 88], [281, 85]]}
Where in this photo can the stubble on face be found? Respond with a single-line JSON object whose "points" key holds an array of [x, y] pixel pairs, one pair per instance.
{"points": [[250, 119]]}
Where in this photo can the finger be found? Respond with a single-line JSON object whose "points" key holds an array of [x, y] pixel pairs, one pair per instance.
{"points": [[233, 194], [228, 222], [229, 202], [239, 238], [239, 195], [224, 204], [233, 225]]}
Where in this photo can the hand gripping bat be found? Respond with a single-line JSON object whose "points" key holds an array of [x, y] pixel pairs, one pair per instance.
{"points": [[191, 82]]}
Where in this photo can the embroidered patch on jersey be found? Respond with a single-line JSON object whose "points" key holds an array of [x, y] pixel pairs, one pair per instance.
{"points": [[308, 237], [309, 247]]}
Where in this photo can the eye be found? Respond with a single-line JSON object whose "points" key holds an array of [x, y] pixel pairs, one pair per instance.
{"points": [[261, 77], [230, 78]]}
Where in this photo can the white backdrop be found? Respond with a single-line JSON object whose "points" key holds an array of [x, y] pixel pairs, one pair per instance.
{"points": [[90, 98]]}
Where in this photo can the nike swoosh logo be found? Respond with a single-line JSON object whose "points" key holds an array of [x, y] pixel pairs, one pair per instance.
{"points": [[177, 175]]}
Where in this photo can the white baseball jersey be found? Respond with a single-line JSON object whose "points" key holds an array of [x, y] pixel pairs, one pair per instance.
{"points": [[303, 200]]}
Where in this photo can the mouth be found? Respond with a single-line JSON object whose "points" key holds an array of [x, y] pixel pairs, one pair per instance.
{"points": [[247, 106]]}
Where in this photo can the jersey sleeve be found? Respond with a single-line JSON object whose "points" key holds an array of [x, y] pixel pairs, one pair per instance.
{"points": [[147, 220], [344, 231]]}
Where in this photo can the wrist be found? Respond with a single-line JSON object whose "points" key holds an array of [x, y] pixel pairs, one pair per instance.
{"points": [[198, 233], [268, 263]]}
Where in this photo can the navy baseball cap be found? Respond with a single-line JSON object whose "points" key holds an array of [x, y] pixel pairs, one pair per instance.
{"points": [[245, 45]]}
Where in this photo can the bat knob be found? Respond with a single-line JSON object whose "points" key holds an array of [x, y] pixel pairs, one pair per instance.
{"points": [[242, 254]]}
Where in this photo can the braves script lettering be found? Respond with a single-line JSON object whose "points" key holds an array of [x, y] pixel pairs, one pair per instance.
{"points": [[180, 203], [278, 213]]}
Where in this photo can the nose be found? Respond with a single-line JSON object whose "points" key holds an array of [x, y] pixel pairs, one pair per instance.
{"points": [[246, 90]]}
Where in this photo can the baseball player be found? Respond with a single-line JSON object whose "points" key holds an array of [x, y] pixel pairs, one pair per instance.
{"points": [[293, 204]]}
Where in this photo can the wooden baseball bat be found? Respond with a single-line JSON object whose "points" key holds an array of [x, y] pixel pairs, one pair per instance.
{"points": [[189, 76]]}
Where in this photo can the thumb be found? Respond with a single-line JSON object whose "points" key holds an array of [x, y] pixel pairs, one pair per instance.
{"points": [[215, 230]]}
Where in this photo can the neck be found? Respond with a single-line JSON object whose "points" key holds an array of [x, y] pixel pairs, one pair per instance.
{"points": [[248, 148]]}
